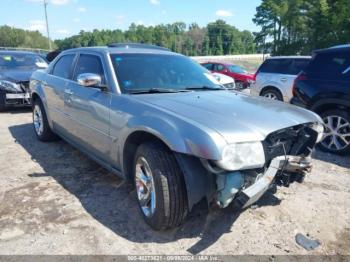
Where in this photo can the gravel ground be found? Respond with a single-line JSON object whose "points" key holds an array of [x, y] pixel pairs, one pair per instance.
{"points": [[54, 200]]}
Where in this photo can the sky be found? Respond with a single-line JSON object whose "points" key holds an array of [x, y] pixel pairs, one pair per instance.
{"points": [[68, 17]]}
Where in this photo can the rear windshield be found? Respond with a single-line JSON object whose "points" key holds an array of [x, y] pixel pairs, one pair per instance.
{"points": [[336, 63], [284, 66]]}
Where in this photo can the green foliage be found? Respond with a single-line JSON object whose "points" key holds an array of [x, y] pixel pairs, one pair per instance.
{"points": [[218, 38], [14, 37], [300, 26]]}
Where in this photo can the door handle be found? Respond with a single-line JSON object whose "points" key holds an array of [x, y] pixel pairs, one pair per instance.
{"points": [[283, 79], [68, 91]]}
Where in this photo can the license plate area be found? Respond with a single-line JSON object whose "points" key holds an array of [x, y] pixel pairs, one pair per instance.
{"points": [[18, 96]]}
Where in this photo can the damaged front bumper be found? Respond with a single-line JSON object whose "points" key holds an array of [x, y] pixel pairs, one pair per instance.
{"points": [[283, 170]]}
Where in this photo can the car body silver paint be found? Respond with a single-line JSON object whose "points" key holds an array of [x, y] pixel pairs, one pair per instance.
{"points": [[200, 124]]}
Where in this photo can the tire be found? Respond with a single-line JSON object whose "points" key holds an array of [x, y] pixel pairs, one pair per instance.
{"points": [[2, 102], [337, 134], [167, 206], [40, 123], [272, 93]]}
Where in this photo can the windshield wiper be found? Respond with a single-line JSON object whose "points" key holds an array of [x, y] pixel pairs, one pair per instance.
{"points": [[204, 88], [156, 91]]}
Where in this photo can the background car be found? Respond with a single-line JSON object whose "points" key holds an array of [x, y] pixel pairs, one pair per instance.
{"points": [[275, 77], [16, 67], [324, 87], [226, 81], [242, 78]]}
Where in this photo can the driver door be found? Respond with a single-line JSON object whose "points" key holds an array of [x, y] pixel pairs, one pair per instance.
{"points": [[89, 108]]}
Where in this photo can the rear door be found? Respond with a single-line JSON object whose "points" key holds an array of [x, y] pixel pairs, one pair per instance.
{"points": [[89, 108], [56, 83]]}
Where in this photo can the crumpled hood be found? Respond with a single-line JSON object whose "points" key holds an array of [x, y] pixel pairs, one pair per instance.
{"points": [[235, 116], [16, 75]]}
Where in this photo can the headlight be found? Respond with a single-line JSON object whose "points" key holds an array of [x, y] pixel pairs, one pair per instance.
{"points": [[9, 86], [242, 156], [319, 128]]}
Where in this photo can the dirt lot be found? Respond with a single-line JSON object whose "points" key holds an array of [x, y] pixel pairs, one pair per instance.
{"points": [[54, 200]]}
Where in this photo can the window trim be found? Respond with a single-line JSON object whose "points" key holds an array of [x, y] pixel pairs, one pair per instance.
{"points": [[71, 67]]}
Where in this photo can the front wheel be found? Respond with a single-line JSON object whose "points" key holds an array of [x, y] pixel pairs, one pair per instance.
{"points": [[336, 137], [160, 187], [273, 94], [40, 123]]}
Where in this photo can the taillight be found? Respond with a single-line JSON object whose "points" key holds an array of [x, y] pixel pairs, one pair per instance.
{"points": [[301, 77]]}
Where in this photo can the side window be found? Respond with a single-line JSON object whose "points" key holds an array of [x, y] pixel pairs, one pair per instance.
{"points": [[208, 66], [331, 64], [218, 67], [277, 66], [89, 64], [63, 66], [298, 66]]}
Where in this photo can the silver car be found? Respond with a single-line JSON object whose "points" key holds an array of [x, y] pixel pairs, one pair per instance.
{"points": [[161, 121], [275, 77]]}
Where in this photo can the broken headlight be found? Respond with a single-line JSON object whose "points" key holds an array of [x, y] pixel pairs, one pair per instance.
{"points": [[242, 156], [9, 86]]}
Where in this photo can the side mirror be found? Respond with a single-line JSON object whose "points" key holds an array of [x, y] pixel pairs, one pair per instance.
{"points": [[90, 80]]}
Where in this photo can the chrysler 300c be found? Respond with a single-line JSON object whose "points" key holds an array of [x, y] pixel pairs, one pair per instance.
{"points": [[165, 124]]}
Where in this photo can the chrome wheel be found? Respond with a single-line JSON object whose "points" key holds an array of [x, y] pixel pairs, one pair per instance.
{"points": [[38, 120], [337, 133], [270, 96], [145, 189]]}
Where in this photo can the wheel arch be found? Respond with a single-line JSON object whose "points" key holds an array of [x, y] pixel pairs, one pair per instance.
{"points": [[329, 104], [270, 87]]}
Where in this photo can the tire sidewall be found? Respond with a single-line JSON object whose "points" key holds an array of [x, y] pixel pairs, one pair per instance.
{"points": [[155, 220]]}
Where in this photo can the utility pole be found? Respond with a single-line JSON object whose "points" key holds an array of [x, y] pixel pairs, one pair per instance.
{"points": [[47, 24]]}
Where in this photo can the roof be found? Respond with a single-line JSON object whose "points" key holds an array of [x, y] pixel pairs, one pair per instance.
{"points": [[289, 57], [336, 48], [125, 48]]}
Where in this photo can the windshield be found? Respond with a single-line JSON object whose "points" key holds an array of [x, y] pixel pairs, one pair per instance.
{"points": [[237, 69], [21, 61], [142, 72]]}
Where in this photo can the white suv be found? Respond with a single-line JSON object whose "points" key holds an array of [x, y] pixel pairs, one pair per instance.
{"points": [[275, 77]]}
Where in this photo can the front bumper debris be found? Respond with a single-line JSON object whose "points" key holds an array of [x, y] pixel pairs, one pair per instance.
{"points": [[292, 167]]}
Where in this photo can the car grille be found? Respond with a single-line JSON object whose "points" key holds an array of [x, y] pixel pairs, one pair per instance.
{"points": [[296, 141]]}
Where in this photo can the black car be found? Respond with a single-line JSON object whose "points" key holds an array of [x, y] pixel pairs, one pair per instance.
{"points": [[16, 67], [324, 87]]}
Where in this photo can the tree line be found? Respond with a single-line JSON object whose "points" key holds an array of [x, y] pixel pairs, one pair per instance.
{"points": [[217, 38], [290, 27], [15, 37]]}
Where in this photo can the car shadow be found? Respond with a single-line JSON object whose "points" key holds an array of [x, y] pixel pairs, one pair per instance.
{"points": [[113, 203], [339, 160]]}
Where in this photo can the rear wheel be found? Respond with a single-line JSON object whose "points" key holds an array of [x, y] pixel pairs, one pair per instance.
{"points": [[273, 94], [160, 188], [336, 137], [40, 123]]}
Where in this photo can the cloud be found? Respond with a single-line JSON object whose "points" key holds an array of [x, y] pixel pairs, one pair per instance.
{"points": [[140, 22], [120, 19], [36, 25], [154, 2], [76, 20], [224, 13], [63, 31], [82, 9]]}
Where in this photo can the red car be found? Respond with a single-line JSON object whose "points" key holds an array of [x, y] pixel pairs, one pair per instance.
{"points": [[241, 76]]}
